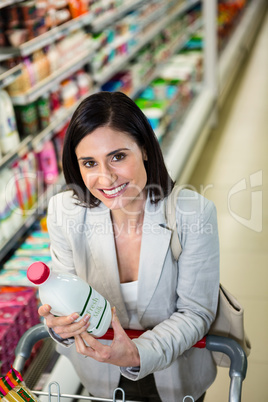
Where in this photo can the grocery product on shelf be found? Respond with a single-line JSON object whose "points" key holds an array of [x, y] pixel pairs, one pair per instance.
{"points": [[24, 21], [18, 312], [84, 82], [9, 137], [27, 118], [166, 99], [25, 182], [48, 163], [229, 13], [34, 117], [43, 108], [10, 214], [35, 247], [43, 64]]}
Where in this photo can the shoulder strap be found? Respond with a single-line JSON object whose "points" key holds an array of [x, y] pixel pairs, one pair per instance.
{"points": [[170, 214]]}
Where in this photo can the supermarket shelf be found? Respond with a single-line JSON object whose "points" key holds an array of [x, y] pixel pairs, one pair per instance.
{"points": [[53, 79], [239, 45], [10, 75], [34, 141], [176, 156], [191, 136], [66, 114], [173, 49], [31, 217], [5, 3], [109, 17], [105, 74], [48, 37], [21, 149]]}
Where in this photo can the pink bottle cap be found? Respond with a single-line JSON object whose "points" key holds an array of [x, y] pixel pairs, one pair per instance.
{"points": [[38, 272]]}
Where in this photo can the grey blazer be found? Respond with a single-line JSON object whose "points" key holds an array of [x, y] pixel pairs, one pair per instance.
{"points": [[177, 301]]}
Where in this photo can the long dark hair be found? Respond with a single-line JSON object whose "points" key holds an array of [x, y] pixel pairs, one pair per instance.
{"points": [[119, 112]]}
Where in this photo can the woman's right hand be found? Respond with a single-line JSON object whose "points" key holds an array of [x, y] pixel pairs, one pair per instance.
{"points": [[65, 326]]}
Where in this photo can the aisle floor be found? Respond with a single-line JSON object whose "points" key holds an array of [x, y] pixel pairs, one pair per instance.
{"points": [[233, 172]]}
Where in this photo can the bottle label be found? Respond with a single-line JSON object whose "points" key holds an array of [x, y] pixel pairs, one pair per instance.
{"points": [[24, 395], [96, 306]]}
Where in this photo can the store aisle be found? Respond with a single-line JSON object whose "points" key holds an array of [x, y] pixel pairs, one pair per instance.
{"points": [[233, 172]]}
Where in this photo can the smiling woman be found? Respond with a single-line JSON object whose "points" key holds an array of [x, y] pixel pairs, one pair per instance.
{"points": [[118, 187]]}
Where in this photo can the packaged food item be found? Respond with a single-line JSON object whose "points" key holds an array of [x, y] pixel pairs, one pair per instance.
{"points": [[69, 93], [14, 389], [22, 83], [43, 107], [28, 118], [10, 214], [84, 82], [9, 137], [48, 163]]}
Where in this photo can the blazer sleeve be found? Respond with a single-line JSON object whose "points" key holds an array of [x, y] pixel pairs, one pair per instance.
{"points": [[197, 289], [57, 221]]}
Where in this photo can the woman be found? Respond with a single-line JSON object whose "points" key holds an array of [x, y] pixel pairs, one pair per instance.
{"points": [[110, 229]]}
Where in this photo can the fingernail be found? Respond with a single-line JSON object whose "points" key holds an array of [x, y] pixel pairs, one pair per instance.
{"points": [[86, 317], [74, 316]]}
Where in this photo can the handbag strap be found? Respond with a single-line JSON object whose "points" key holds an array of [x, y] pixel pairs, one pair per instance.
{"points": [[170, 215]]}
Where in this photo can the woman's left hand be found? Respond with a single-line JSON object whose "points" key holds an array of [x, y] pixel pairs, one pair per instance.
{"points": [[122, 351]]}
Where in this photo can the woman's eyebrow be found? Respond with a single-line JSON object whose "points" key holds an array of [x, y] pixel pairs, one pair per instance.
{"points": [[117, 150], [87, 158]]}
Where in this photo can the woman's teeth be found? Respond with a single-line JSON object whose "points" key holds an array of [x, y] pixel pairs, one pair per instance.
{"points": [[115, 190]]}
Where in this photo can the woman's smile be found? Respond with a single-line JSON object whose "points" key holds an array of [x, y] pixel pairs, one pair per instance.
{"points": [[114, 192]]}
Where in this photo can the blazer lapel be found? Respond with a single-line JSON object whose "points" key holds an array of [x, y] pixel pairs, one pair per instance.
{"points": [[102, 247], [154, 247]]}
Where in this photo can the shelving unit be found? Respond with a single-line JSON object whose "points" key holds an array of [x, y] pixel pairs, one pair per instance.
{"points": [[101, 22], [119, 64], [55, 78], [193, 133], [32, 215], [5, 3], [48, 37], [238, 47], [7, 77]]}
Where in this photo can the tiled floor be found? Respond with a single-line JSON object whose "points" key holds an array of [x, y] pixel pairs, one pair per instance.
{"points": [[234, 170]]}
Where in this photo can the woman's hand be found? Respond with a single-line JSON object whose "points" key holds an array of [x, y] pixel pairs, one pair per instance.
{"points": [[122, 351], [65, 327]]}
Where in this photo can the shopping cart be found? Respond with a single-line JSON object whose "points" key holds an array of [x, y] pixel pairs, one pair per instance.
{"points": [[237, 371]]}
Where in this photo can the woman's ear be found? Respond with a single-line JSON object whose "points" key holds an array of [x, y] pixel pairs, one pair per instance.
{"points": [[144, 155]]}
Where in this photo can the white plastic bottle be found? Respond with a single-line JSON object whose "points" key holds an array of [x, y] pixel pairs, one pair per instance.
{"points": [[67, 293], [9, 137]]}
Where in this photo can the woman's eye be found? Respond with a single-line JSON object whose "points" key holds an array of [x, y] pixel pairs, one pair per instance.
{"points": [[89, 164], [119, 157]]}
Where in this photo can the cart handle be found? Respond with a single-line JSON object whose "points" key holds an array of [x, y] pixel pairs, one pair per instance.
{"points": [[214, 343], [26, 344], [238, 359]]}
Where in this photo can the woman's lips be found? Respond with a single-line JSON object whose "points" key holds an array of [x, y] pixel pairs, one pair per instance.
{"points": [[115, 191]]}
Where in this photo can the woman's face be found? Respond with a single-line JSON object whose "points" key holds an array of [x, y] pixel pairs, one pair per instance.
{"points": [[112, 167]]}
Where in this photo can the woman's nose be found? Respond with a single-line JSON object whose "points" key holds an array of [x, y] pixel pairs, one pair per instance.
{"points": [[106, 177]]}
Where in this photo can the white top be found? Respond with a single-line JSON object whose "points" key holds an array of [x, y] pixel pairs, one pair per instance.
{"points": [[130, 295]]}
